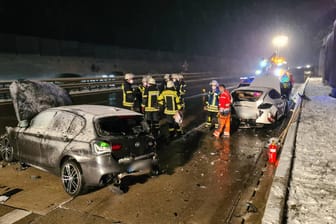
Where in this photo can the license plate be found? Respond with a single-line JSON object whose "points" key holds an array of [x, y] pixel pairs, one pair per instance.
{"points": [[139, 165]]}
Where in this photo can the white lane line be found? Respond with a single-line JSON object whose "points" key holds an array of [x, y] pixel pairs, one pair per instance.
{"points": [[14, 216]]}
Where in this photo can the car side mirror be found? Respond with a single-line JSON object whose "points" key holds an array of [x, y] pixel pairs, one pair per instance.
{"points": [[23, 124]]}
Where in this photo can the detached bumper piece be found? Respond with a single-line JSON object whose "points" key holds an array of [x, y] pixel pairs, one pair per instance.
{"points": [[138, 166]]}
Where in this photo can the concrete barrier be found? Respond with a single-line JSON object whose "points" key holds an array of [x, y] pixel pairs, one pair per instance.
{"points": [[276, 201]]}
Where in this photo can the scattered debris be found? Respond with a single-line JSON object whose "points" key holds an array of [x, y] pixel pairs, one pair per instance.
{"points": [[35, 177], [3, 198], [115, 189], [89, 202], [201, 186], [251, 207]]}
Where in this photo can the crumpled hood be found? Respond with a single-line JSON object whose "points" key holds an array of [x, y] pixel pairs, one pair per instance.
{"points": [[31, 97]]}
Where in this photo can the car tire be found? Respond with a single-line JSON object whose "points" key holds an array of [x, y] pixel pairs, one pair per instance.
{"points": [[6, 149], [71, 176], [155, 171]]}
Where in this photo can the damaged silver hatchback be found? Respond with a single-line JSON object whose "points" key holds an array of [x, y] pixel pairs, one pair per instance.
{"points": [[87, 145]]}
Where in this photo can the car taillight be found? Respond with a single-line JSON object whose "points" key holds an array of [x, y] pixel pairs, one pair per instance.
{"points": [[116, 147], [101, 147]]}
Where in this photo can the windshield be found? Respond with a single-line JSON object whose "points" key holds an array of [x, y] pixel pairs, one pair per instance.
{"points": [[121, 125], [246, 95]]}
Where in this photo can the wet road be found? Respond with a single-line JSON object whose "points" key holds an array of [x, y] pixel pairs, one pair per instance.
{"points": [[204, 180]]}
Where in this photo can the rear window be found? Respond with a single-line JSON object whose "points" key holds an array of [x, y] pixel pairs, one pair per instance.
{"points": [[246, 95], [120, 125]]}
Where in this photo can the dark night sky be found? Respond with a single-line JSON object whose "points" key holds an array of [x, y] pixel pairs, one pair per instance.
{"points": [[230, 28]]}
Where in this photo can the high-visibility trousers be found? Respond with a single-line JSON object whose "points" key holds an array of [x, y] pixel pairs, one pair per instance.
{"points": [[224, 124]]}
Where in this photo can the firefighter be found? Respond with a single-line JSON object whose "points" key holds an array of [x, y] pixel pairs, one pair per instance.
{"points": [[163, 85], [175, 79], [182, 90], [150, 106], [211, 105], [128, 92], [224, 112], [170, 100], [139, 92], [286, 84]]}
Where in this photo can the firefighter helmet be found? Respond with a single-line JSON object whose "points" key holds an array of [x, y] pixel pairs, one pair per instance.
{"points": [[175, 76], [166, 77], [144, 79], [151, 81], [170, 84], [129, 76], [213, 83]]}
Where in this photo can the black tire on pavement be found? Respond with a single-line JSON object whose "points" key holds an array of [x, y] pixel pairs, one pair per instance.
{"points": [[155, 171], [71, 176], [6, 149]]}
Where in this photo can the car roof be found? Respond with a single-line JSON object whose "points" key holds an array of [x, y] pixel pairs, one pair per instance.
{"points": [[269, 81], [97, 110]]}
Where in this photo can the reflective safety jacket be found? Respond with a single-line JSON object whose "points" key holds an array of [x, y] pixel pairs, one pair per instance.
{"points": [[183, 88], [141, 89], [212, 102], [150, 99], [224, 100], [286, 80], [139, 93], [177, 87], [128, 94], [170, 100]]}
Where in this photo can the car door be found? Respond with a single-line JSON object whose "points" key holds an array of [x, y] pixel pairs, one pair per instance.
{"points": [[56, 139], [30, 139]]}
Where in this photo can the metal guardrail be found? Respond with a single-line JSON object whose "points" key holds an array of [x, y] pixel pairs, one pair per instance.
{"points": [[96, 85]]}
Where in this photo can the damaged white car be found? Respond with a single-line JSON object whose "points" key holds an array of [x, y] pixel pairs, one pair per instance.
{"points": [[260, 103]]}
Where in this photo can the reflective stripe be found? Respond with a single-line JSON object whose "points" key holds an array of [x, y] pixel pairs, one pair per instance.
{"points": [[127, 104], [212, 108], [152, 96], [170, 100]]}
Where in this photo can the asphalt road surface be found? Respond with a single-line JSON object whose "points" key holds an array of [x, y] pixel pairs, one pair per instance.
{"points": [[203, 180]]}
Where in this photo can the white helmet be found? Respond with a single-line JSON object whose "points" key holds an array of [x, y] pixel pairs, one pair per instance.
{"points": [[180, 76], [129, 76], [151, 81], [213, 83], [166, 77], [144, 79], [170, 84], [175, 76]]}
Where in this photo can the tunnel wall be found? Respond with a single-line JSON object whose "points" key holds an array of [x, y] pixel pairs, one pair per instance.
{"points": [[26, 56]]}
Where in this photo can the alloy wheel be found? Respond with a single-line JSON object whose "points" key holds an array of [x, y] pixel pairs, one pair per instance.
{"points": [[71, 178], [6, 149]]}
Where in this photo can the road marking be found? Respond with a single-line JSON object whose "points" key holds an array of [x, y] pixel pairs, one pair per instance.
{"points": [[14, 216]]}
